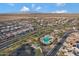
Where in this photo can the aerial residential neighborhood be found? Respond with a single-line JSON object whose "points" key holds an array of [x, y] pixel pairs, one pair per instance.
{"points": [[39, 33]]}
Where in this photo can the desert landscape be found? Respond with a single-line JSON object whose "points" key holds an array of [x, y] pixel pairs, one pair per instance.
{"points": [[39, 34]]}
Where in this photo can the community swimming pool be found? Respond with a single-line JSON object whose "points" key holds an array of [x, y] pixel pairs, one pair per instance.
{"points": [[47, 39]]}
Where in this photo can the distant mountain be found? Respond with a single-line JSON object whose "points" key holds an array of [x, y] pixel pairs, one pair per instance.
{"points": [[30, 12]]}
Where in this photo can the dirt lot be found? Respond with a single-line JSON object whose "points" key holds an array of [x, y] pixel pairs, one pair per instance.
{"points": [[5, 17]]}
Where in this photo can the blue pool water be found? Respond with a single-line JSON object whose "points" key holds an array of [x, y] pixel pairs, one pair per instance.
{"points": [[46, 39]]}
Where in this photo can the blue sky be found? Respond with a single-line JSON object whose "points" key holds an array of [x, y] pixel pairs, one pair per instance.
{"points": [[39, 7]]}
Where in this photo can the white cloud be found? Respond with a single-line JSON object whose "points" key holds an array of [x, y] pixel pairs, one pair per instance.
{"points": [[11, 4], [38, 8], [33, 5], [60, 4], [35, 8], [24, 8], [60, 11]]}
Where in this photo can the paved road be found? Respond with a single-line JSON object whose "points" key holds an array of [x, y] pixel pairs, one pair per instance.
{"points": [[10, 41], [12, 31], [54, 50]]}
